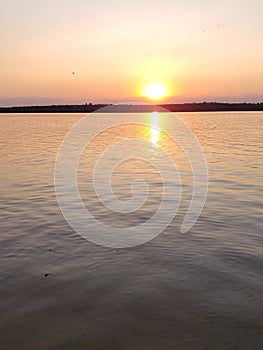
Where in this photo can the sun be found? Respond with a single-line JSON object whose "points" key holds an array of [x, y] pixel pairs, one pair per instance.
{"points": [[155, 91]]}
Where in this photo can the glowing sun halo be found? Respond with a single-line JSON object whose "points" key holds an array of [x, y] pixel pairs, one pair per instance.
{"points": [[155, 91]]}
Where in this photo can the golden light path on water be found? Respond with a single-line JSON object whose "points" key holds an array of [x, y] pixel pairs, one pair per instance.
{"points": [[153, 132]]}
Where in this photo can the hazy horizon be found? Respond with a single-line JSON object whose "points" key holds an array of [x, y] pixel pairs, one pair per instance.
{"points": [[36, 101]]}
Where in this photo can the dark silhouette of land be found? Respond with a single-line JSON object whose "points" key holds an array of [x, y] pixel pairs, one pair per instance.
{"points": [[178, 107]]}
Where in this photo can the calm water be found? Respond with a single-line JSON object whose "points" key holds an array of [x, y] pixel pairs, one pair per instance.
{"points": [[200, 290]]}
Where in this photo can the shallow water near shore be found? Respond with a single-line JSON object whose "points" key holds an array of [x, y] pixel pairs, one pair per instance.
{"points": [[199, 290]]}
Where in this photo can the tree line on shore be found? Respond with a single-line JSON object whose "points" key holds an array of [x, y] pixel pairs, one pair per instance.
{"points": [[178, 107]]}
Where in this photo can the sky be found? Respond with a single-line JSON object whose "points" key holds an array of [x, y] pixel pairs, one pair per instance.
{"points": [[199, 50]]}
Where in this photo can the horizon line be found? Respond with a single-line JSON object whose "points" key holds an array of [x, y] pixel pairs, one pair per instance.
{"points": [[130, 103]]}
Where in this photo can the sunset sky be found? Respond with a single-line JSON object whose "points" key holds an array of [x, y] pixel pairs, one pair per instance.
{"points": [[198, 50]]}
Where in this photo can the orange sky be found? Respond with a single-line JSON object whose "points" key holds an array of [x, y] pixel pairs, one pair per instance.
{"points": [[198, 50]]}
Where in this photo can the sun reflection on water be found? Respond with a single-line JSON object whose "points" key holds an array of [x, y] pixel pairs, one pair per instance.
{"points": [[154, 130]]}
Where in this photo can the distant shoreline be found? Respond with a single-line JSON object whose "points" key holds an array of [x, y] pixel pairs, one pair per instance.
{"points": [[178, 107]]}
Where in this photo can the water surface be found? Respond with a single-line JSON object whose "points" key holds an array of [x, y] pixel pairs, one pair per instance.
{"points": [[200, 290]]}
